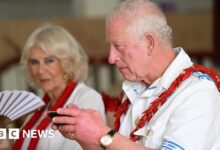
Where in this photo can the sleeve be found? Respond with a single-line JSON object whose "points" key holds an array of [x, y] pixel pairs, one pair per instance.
{"points": [[88, 98], [191, 123]]}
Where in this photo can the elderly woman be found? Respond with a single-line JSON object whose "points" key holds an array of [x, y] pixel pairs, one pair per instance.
{"points": [[55, 62]]}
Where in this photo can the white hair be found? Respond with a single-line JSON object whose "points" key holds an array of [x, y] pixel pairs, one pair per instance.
{"points": [[143, 16], [57, 41]]}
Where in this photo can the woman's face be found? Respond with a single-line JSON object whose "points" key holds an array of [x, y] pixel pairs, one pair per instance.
{"points": [[46, 70]]}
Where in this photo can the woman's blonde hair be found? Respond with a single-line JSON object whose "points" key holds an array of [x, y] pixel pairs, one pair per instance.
{"points": [[58, 42]]}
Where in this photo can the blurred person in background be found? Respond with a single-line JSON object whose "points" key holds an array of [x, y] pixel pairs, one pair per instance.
{"points": [[56, 63]]}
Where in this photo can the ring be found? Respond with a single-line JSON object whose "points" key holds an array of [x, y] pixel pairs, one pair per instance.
{"points": [[71, 135]]}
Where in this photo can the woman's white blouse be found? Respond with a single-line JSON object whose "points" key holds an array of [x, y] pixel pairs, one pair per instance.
{"points": [[84, 97]]}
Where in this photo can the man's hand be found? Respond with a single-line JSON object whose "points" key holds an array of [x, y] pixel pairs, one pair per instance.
{"points": [[83, 125]]}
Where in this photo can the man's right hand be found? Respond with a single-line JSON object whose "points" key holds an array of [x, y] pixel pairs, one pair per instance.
{"points": [[83, 125]]}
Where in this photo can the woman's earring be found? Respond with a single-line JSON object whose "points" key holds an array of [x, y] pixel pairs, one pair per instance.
{"points": [[66, 77]]}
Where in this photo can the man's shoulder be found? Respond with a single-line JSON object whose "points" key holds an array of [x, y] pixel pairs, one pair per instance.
{"points": [[202, 76], [198, 81]]}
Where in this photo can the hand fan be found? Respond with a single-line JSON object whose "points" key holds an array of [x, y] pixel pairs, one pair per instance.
{"points": [[14, 104]]}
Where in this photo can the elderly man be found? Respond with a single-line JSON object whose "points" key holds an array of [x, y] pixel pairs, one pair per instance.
{"points": [[169, 102]]}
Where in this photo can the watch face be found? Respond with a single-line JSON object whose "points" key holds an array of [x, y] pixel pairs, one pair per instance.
{"points": [[106, 140]]}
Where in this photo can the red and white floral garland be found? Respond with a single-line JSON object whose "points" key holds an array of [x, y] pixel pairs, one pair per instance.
{"points": [[148, 113]]}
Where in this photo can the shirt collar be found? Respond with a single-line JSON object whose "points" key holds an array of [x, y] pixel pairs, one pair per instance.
{"points": [[133, 89], [181, 62], [140, 89]]}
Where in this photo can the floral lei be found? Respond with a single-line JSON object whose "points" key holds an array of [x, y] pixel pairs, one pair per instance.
{"points": [[148, 113]]}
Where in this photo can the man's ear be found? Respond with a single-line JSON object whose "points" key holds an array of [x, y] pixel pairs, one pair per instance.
{"points": [[150, 43]]}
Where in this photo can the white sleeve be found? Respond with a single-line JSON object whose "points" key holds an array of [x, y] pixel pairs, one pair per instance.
{"points": [[191, 124]]}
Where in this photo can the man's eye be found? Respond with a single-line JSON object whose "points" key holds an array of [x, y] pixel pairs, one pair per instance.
{"points": [[119, 47]]}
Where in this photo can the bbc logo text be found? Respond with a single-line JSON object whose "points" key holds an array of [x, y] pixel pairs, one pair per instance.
{"points": [[13, 133]]}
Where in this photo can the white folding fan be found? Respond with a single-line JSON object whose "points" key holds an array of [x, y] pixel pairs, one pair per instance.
{"points": [[14, 104]]}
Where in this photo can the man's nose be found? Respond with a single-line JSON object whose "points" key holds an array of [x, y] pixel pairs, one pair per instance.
{"points": [[112, 56]]}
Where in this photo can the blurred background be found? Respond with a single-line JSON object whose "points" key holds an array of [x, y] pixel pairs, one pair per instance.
{"points": [[195, 25]]}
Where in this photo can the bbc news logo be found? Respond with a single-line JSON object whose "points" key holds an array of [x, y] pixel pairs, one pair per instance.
{"points": [[13, 133]]}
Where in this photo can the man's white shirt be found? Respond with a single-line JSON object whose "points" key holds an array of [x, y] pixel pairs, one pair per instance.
{"points": [[187, 120]]}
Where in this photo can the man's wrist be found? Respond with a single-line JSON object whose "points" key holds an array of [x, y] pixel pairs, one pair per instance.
{"points": [[107, 139]]}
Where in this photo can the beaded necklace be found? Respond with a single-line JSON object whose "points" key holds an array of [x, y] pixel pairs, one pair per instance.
{"points": [[162, 98]]}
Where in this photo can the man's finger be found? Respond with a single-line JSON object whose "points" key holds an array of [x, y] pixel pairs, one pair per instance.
{"points": [[54, 127], [64, 120], [66, 128], [69, 111], [72, 106]]}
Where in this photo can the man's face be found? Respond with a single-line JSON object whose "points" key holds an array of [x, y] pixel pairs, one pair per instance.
{"points": [[127, 53]]}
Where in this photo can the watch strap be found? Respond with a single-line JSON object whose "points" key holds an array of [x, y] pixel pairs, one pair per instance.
{"points": [[110, 133]]}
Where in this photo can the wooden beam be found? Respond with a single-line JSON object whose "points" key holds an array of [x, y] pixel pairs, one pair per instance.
{"points": [[216, 39]]}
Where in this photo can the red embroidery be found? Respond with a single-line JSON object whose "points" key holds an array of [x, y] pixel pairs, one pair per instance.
{"points": [[148, 114], [46, 121]]}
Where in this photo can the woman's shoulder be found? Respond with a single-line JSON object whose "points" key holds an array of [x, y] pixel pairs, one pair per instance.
{"points": [[85, 90], [86, 97], [84, 87]]}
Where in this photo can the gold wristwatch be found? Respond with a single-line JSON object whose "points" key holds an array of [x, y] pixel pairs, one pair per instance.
{"points": [[107, 139]]}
